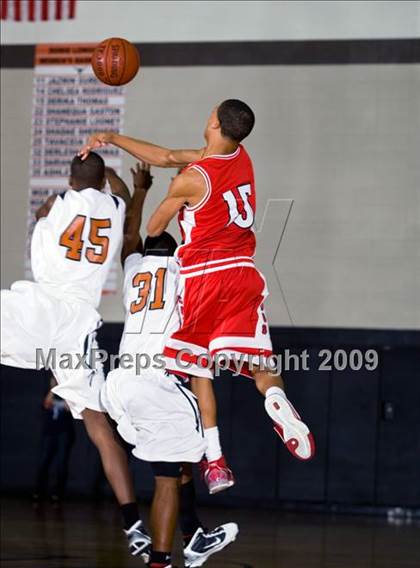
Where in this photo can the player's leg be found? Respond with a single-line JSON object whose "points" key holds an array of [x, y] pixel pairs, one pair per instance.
{"points": [[265, 381], [243, 336], [199, 542], [287, 422], [164, 512], [81, 388], [188, 517], [216, 473], [161, 418], [189, 345], [115, 463], [113, 456]]}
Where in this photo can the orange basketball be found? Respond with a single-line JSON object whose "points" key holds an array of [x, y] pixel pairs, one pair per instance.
{"points": [[115, 61]]}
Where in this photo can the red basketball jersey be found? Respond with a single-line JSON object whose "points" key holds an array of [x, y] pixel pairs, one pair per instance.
{"points": [[221, 225]]}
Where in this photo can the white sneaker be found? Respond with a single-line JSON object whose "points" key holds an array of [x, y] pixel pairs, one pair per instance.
{"points": [[204, 543], [289, 426], [139, 542]]}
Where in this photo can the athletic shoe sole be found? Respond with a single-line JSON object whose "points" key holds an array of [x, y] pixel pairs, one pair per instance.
{"points": [[217, 488], [140, 548], [289, 426], [142, 551]]}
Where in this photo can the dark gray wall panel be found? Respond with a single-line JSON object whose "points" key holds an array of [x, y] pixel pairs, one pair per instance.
{"points": [[352, 436], [398, 466]]}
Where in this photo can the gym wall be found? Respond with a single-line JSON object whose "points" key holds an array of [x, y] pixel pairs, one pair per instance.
{"points": [[335, 92], [335, 89], [203, 20]]}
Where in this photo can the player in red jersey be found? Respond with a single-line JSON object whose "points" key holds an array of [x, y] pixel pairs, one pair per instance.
{"points": [[223, 292]]}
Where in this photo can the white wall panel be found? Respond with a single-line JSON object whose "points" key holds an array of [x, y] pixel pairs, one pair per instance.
{"points": [[179, 21], [341, 141]]}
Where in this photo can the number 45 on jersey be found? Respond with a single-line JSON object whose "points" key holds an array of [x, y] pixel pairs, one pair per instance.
{"points": [[72, 240]]}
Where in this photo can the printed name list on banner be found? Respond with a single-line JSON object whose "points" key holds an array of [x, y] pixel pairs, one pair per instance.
{"points": [[69, 103]]}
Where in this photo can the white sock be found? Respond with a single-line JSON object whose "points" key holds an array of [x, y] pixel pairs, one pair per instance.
{"points": [[275, 390], [214, 449]]}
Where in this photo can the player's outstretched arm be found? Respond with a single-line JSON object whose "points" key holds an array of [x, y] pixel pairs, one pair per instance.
{"points": [[142, 181], [142, 150], [118, 185], [186, 189]]}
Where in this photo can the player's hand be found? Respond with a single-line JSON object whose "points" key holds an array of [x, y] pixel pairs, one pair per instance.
{"points": [[141, 176], [97, 140]]}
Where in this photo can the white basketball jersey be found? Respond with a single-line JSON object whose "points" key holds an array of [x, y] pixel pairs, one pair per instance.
{"points": [[151, 303], [73, 247]]}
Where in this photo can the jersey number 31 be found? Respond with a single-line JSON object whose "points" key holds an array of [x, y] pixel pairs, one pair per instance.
{"points": [[143, 281], [71, 238]]}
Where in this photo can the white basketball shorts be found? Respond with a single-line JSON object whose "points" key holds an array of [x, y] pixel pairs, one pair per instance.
{"points": [[39, 330], [156, 414]]}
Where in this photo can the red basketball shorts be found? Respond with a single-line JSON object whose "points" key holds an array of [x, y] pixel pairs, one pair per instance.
{"points": [[222, 306]]}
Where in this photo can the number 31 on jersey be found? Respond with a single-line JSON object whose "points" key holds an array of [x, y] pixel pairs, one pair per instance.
{"points": [[143, 281]]}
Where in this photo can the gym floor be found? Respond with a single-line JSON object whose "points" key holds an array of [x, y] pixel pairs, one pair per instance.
{"points": [[86, 535]]}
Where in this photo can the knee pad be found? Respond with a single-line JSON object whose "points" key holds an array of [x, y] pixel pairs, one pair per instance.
{"points": [[166, 469]]}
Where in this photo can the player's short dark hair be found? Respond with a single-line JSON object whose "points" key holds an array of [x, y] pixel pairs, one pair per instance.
{"points": [[89, 172], [163, 245], [236, 119]]}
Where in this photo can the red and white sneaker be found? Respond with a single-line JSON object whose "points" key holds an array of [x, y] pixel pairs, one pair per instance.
{"points": [[216, 474], [289, 426]]}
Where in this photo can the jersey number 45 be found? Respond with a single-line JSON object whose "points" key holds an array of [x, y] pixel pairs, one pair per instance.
{"points": [[71, 238]]}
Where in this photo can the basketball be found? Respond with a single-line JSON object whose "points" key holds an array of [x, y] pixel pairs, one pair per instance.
{"points": [[115, 61]]}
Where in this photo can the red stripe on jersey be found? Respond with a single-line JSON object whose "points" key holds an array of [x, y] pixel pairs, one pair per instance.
{"points": [[244, 371], [184, 376], [58, 9], [169, 352], [216, 264], [44, 9], [186, 357], [17, 11], [245, 350]]}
